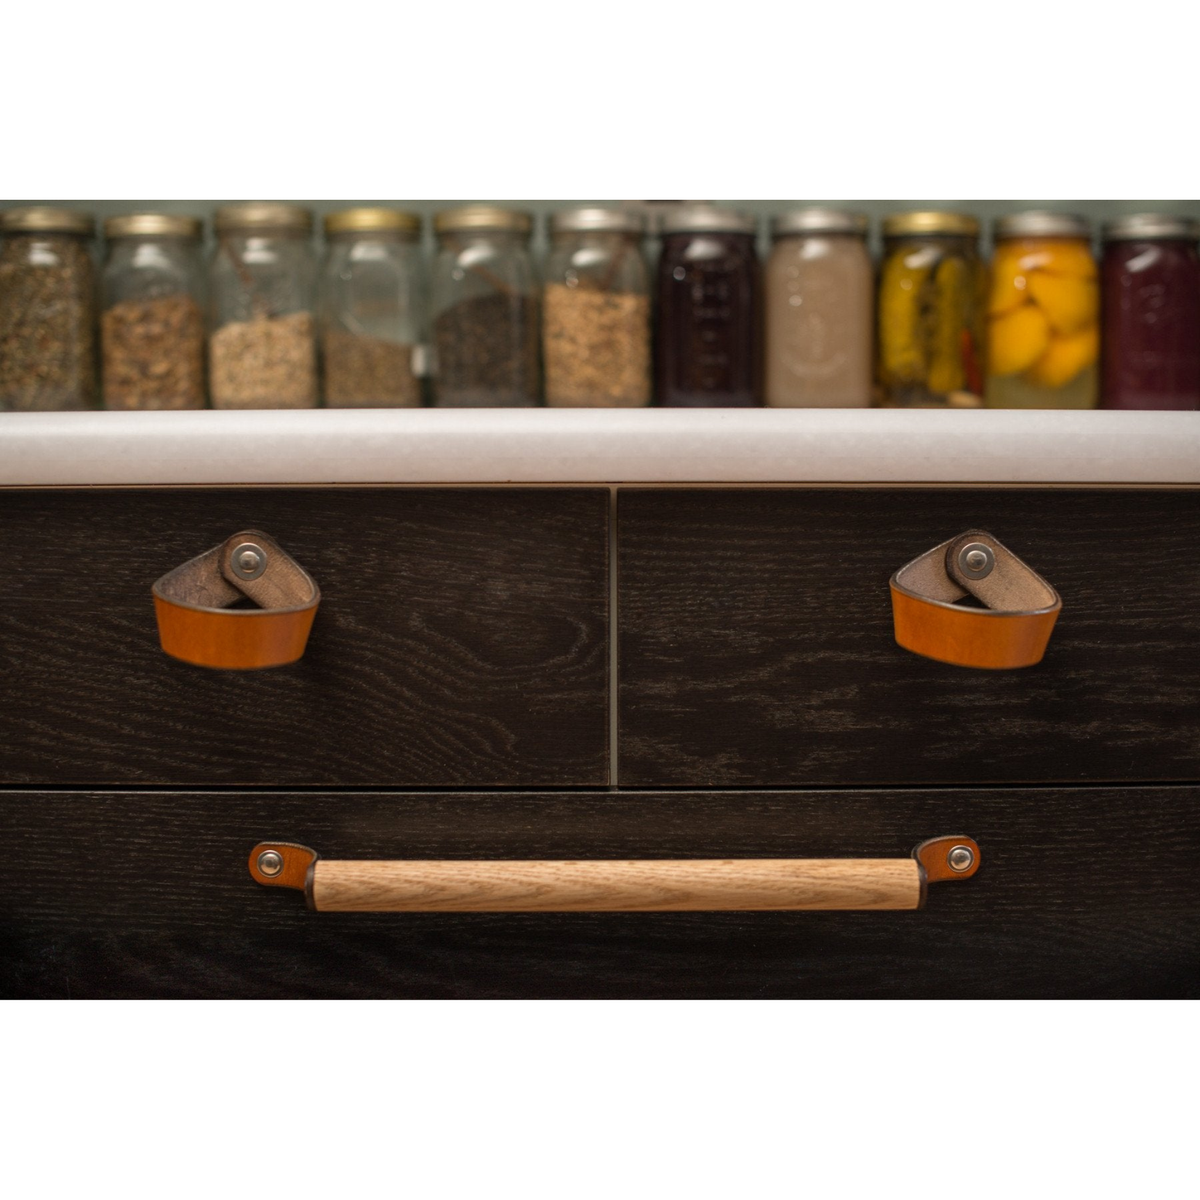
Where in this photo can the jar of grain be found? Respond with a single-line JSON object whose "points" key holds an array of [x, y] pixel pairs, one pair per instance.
{"points": [[596, 311], [152, 323], [47, 310], [262, 351], [485, 309], [372, 308], [818, 301]]}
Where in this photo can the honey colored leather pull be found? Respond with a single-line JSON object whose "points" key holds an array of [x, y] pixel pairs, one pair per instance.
{"points": [[196, 624], [629, 885], [1011, 631]]}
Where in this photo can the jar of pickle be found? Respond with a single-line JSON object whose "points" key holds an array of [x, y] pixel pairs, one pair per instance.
{"points": [[596, 311], [1043, 313], [818, 303], [47, 310], [263, 349], [1150, 300], [372, 308], [485, 309], [152, 323], [930, 312], [706, 354]]}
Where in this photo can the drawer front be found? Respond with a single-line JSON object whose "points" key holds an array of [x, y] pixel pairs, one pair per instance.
{"points": [[756, 645], [461, 639], [1081, 892]]}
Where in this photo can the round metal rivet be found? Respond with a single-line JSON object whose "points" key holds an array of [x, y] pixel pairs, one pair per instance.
{"points": [[270, 862], [248, 561], [976, 561], [961, 858]]}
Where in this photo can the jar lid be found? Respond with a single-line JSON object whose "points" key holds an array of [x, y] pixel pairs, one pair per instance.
{"points": [[256, 214], [1042, 224], [152, 225], [819, 220], [1151, 226], [946, 224], [47, 220], [372, 220], [482, 217], [597, 220], [706, 218]]}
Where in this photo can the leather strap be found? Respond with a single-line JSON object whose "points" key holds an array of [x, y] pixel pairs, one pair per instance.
{"points": [[196, 624], [1013, 628]]}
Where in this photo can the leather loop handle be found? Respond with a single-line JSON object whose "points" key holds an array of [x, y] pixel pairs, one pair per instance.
{"points": [[196, 624], [1012, 630]]}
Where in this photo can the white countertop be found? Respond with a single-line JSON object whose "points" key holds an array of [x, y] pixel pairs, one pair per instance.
{"points": [[609, 446]]}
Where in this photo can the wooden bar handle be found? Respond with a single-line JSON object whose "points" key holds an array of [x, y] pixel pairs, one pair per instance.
{"points": [[625, 885]]}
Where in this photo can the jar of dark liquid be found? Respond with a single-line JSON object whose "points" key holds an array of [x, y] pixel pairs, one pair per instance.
{"points": [[706, 353], [1150, 301]]}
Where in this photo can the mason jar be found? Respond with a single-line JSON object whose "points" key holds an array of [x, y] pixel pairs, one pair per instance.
{"points": [[47, 310], [1150, 301], [372, 309], [596, 310], [707, 348], [262, 349], [152, 318], [485, 309], [818, 302], [1043, 313]]}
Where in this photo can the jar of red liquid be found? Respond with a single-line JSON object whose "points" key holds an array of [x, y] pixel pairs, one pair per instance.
{"points": [[706, 354], [1150, 300]]}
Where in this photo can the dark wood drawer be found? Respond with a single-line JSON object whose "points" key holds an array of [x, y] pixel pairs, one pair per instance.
{"points": [[461, 640], [1081, 892], [756, 644]]}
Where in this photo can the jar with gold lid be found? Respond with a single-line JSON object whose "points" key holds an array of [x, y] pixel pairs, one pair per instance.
{"points": [[372, 308], [152, 322], [47, 310], [930, 311]]}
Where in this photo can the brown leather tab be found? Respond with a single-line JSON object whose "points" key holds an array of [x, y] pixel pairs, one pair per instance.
{"points": [[296, 861], [940, 861]]}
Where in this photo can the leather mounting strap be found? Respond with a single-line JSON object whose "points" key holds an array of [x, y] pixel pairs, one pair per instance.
{"points": [[1011, 631], [196, 624]]}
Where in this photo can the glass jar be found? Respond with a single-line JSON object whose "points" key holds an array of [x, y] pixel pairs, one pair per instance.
{"points": [[1043, 313], [930, 312], [47, 310], [485, 309], [262, 352], [596, 311], [706, 352], [152, 322], [372, 308], [818, 299], [1150, 300]]}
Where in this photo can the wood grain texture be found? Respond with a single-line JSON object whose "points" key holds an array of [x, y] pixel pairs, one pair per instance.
{"points": [[756, 644], [1083, 892], [461, 640]]}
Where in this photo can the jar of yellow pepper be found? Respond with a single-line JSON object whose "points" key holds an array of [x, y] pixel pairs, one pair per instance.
{"points": [[1043, 313]]}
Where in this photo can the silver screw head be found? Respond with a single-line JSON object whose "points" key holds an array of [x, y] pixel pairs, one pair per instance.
{"points": [[248, 560], [270, 862], [976, 560], [960, 858]]}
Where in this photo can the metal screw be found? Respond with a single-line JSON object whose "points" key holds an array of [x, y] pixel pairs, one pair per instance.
{"points": [[976, 560], [248, 560], [960, 858], [270, 862]]}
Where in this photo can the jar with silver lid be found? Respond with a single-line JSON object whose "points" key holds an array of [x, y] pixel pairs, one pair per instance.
{"points": [[263, 349], [372, 308], [152, 323], [596, 310], [47, 310], [1043, 313], [818, 298]]}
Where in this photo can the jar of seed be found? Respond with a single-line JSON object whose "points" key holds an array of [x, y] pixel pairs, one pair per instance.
{"points": [[262, 351], [485, 309], [152, 323], [372, 308], [47, 310], [596, 311]]}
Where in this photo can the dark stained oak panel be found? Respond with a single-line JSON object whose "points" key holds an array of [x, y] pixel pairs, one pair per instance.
{"points": [[462, 640], [756, 645], [1081, 892]]}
